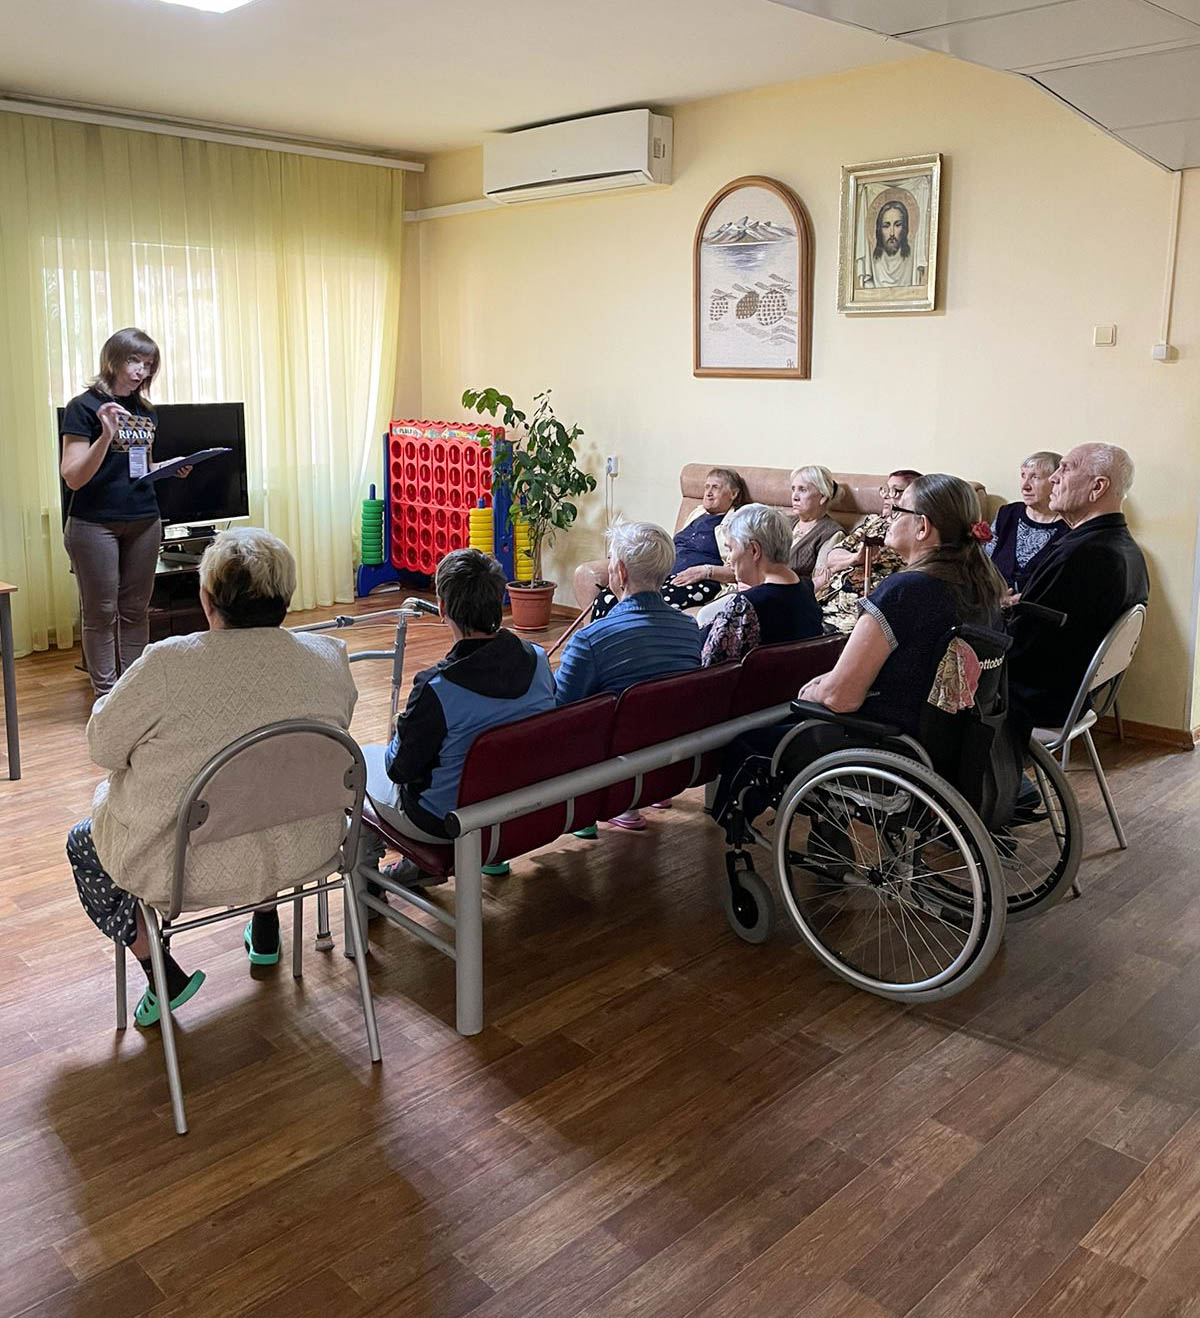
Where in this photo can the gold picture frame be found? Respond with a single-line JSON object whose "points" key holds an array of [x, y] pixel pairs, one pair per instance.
{"points": [[752, 278], [888, 238]]}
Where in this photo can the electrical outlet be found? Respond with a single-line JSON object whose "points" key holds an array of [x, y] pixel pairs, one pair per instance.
{"points": [[612, 466]]}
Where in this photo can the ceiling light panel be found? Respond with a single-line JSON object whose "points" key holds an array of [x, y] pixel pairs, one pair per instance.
{"points": [[1184, 8], [1078, 29], [898, 16], [1136, 92], [1175, 145], [210, 6]]}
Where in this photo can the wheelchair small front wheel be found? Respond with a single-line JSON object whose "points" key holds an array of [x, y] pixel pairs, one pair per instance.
{"points": [[888, 875], [749, 906]]}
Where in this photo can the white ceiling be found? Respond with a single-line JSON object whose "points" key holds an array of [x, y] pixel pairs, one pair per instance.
{"points": [[1133, 66], [413, 77]]}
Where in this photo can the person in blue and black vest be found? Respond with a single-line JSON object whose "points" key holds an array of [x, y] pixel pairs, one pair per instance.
{"points": [[490, 677]]}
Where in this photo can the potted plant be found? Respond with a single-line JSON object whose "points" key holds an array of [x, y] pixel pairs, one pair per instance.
{"points": [[546, 479]]}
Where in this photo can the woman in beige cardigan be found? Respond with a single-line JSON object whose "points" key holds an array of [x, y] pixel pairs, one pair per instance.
{"points": [[186, 698]]}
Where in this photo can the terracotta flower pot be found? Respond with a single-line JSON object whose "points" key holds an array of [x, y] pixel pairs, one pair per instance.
{"points": [[530, 606]]}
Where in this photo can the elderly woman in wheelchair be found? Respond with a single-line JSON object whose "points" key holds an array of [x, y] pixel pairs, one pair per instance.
{"points": [[904, 830]]}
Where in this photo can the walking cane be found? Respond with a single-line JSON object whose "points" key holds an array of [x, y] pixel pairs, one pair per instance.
{"points": [[583, 613]]}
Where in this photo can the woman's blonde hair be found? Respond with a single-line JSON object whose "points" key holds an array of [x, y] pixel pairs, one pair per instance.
{"points": [[250, 576], [820, 478], [1044, 461], [118, 349]]}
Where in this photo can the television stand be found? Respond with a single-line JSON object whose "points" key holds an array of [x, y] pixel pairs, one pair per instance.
{"points": [[175, 601], [170, 558]]}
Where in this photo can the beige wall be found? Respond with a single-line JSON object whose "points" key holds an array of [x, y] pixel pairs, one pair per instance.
{"points": [[1049, 227]]}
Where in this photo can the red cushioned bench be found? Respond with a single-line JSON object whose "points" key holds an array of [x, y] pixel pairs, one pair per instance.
{"points": [[527, 783]]}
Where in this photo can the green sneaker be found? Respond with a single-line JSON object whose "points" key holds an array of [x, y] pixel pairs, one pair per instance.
{"points": [[260, 958], [501, 871], [148, 1012], [587, 833]]}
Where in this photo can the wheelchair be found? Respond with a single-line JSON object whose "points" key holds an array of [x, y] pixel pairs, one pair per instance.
{"points": [[899, 859]]}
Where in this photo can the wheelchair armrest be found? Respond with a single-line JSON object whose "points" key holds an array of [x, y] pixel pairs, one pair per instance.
{"points": [[808, 709]]}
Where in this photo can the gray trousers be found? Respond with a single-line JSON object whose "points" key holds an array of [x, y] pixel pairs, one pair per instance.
{"points": [[114, 565]]}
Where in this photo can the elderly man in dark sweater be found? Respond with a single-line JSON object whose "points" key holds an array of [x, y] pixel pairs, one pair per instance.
{"points": [[1093, 574]]}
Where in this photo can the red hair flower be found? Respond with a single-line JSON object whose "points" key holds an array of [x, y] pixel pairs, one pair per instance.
{"points": [[981, 532]]}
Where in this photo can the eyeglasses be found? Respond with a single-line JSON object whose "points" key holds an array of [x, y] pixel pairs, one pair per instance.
{"points": [[897, 510], [889, 492]]}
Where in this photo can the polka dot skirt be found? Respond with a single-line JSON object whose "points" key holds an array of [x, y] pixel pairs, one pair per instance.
{"points": [[111, 909], [678, 597]]}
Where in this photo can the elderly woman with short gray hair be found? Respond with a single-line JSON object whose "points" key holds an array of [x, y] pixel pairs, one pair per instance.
{"points": [[775, 603], [183, 700], [1022, 530]]}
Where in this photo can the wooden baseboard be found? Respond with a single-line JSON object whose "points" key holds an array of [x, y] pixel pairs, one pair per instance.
{"points": [[1180, 738]]}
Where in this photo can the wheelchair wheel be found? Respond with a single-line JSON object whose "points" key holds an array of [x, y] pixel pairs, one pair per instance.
{"points": [[889, 875], [749, 906], [1041, 848]]}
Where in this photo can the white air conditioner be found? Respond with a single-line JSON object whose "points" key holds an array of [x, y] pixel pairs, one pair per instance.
{"points": [[625, 149]]}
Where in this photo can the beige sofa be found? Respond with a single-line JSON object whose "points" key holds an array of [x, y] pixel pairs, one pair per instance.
{"points": [[858, 494]]}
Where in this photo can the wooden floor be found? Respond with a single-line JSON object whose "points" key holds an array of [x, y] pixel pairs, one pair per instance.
{"points": [[657, 1119]]}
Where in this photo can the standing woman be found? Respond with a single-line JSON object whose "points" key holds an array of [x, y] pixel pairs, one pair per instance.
{"points": [[113, 528]]}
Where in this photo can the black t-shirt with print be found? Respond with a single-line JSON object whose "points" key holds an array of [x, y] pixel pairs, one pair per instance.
{"points": [[111, 496]]}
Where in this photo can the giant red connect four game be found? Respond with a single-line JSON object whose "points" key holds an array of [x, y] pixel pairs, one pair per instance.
{"points": [[437, 472]]}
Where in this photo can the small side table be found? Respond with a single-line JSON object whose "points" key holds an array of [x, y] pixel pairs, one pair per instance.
{"points": [[10, 680]]}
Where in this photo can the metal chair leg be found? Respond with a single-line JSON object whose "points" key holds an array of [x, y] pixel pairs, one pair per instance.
{"points": [[1104, 790], [122, 1003], [298, 935], [159, 966], [468, 933], [347, 941], [1116, 711], [1065, 759], [324, 942], [355, 926]]}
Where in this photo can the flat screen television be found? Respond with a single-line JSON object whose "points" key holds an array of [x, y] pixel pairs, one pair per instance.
{"points": [[216, 490]]}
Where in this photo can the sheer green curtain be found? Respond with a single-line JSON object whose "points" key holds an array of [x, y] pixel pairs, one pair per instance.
{"points": [[265, 278]]}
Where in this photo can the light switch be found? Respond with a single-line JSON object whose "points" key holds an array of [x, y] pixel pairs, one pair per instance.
{"points": [[1104, 336]]}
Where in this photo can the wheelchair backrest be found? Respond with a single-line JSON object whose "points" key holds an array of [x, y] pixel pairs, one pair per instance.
{"points": [[968, 745]]}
